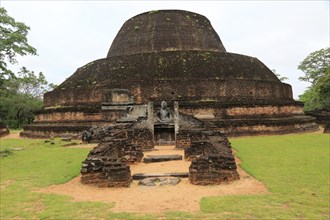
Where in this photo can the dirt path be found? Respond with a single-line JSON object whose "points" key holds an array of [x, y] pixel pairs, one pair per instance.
{"points": [[142, 199], [11, 136]]}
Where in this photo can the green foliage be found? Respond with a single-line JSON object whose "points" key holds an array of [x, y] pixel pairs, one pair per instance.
{"points": [[295, 169], [316, 67], [311, 99], [13, 42], [323, 87], [21, 96]]}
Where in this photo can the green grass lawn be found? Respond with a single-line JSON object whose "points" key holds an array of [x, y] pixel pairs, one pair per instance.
{"points": [[295, 169]]}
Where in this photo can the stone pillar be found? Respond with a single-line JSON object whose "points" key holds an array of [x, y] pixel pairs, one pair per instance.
{"points": [[176, 119], [150, 112]]}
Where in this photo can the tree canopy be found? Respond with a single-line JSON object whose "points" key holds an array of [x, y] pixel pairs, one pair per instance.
{"points": [[21, 93], [21, 96], [316, 67], [13, 42]]}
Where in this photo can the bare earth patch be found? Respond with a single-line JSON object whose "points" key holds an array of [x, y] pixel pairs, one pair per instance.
{"points": [[12, 136], [156, 199], [6, 183]]}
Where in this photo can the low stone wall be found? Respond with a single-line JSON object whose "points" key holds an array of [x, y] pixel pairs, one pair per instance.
{"points": [[3, 130], [212, 161], [65, 115], [112, 174], [185, 137], [242, 109], [142, 137], [198, 148], [55, 130], [212, 169], [107, 164], [266, 126], [322, 117], [138, 136]]}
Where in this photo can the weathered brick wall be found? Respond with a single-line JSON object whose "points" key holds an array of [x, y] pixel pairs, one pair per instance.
{"points": [[257, 126], [212, 159], [79, 117], [270, 111], [78, 114], [198, 148], [173, 75], [165, 30], [186, 136], [106, 165], [242, 109], [113, 173], [74, 93], [212, 169], [69, 121], [53, 130], [184, 89], [121, 144], [142, 137]]}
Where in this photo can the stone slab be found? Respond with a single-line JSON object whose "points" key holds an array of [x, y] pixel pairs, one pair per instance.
{"points": [[161, 158], [140, 176], [159, 181]]}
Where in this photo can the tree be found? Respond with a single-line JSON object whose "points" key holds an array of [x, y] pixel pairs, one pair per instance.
{"points": [[21, 96], [311, 99], [323, 88], [13, 42], [316, 67], [21, 93]]}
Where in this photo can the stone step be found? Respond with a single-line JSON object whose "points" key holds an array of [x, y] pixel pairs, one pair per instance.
{"points": [[140, 176], [161, 158]]}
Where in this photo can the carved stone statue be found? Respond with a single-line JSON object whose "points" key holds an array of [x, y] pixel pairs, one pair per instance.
{"points": [[164, 115]]}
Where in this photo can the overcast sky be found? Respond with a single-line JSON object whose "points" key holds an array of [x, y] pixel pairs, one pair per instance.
{"points": [[69, 34]]}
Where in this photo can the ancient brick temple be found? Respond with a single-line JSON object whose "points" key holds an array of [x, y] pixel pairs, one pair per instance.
{"points": [[178, 57]]}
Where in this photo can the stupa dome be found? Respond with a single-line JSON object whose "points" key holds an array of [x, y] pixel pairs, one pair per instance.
{"points": [[165, 30]]}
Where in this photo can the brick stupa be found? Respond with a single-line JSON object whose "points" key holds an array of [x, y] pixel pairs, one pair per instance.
{"points": [[175, 56]]}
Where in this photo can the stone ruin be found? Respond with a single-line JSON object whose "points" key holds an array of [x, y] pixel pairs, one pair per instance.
{"points": [[212, 160], [177, 56], [322, 118], [3, 130], [108, 164]]}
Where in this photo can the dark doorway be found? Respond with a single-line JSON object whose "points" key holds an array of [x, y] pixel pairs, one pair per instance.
{"points": [[164, 135]]}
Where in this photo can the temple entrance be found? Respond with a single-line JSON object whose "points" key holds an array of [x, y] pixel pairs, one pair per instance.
{"points": [[164, 135], [164, 132]]}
